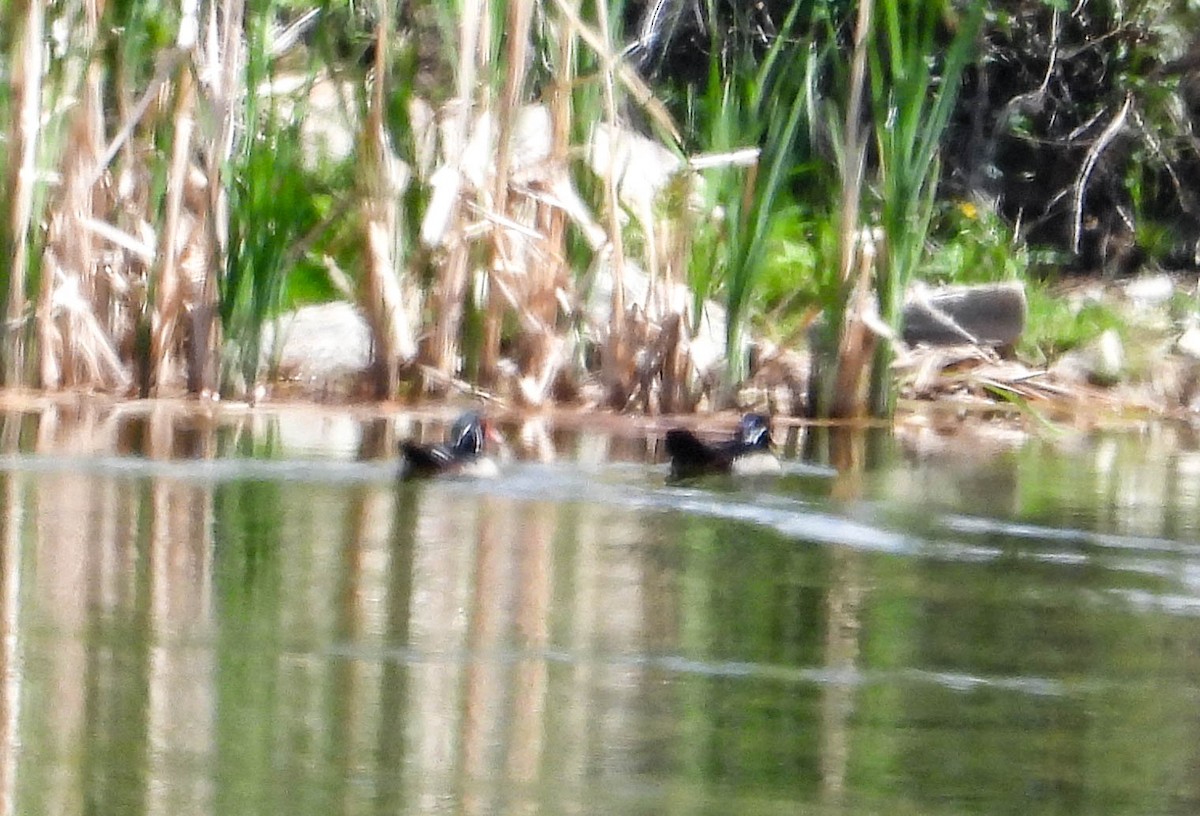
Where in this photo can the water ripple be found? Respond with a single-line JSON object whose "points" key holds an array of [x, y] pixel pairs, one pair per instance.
{"points": [[834, 676]]}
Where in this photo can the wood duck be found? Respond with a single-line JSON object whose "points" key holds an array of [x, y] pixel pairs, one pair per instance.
{"points": [[463, 452], [748, 453]]}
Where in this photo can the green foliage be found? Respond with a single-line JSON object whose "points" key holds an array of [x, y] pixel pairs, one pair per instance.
{"points": [[763, 103], [972, 244], [799, 273], [911, 108], [271, 206], [1056, 324], [911, 105]]}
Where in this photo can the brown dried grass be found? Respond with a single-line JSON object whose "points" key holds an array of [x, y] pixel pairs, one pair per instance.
{"points": [[131, 285], [383, 297]]}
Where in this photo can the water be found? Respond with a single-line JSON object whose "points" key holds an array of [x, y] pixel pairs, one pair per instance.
{"points": [[243, 613]]}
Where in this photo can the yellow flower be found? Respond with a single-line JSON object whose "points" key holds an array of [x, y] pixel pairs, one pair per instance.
{"points": [[968, 209]]}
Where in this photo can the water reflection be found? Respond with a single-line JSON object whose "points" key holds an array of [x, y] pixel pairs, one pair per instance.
{"points": [[245, 612]]}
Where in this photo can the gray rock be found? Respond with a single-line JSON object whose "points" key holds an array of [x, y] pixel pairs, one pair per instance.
{"points": [[986, 315]]}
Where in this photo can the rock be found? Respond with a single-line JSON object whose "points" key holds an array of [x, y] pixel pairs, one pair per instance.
{"points": [[986, 315], [1102, 362], [1150, 291], [324, 348], [1188, 343], [1106, 359]]}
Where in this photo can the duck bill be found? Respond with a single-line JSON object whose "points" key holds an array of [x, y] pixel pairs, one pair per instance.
{"points": [[492, 434]]}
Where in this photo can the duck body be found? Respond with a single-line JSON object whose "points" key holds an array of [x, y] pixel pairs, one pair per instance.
{"points": [[462, 454], [747, 454]]}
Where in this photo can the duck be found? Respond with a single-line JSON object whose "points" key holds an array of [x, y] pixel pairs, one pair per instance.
{"points": [[462, 454], [747, 454]]}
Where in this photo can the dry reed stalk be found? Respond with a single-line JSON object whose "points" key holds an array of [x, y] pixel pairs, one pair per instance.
{"points": [[75, 343], [519, 19], [74, 307], [601, 43], [676, 238], [847, 399], [554, 273], [122, 169], [616, 364], [382, 300], [451, 288], [856, 345], [225, 68], [67, 269], [172, 290], [548, 274], [170, 304], [27, 93], [131, 112]]}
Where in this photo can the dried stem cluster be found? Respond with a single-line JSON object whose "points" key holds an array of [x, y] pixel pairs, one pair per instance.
{"points": [[146, 253]]}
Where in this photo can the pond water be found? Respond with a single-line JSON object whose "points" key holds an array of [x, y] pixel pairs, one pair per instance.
{"points": [[243, 612]]}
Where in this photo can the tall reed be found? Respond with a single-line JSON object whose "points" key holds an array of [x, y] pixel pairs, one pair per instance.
{"points": [[895, 94], [764, 102], [18, 240], [911, 106]]}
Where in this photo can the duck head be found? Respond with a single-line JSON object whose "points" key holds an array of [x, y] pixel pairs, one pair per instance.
{"points": [[470, 433], [754, 431]]}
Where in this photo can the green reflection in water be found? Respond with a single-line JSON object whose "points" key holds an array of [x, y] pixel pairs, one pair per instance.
{"points": [[252, 709], [183, 643]]}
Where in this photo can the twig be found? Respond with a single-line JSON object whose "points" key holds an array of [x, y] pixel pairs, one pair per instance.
{"points": [[1089, 164], [462, 385], [636, 86], [166, 68]]}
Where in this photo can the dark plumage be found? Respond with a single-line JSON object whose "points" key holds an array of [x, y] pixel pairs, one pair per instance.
{"points": [[462, 453], [749, 452]]}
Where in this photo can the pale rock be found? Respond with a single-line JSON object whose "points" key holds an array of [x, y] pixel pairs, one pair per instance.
{"points": [[1106, 359], [1189, 343], [1150, 291]]}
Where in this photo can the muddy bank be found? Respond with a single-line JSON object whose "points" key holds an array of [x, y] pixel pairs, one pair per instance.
{"points": [[1147, 363]]}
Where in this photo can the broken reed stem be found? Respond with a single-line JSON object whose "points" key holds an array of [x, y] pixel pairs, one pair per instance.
{"points": [[27, 93], [845, 401]]}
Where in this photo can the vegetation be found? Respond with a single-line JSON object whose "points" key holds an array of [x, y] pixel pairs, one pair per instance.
{"points": [[534, 194]]}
